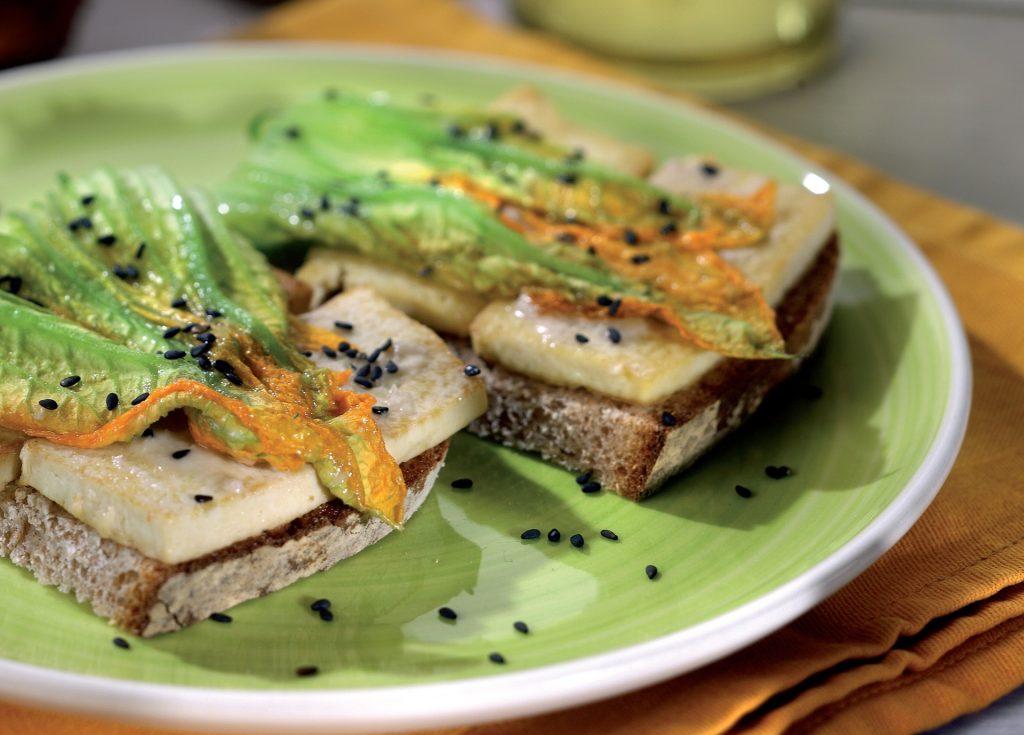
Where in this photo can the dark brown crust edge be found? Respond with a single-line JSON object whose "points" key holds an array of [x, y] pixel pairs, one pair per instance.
{"points": [[621, 443]]}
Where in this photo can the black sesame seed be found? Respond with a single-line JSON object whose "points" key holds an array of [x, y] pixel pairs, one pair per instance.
{"points": [[213, 313], [307, 671], [379, 410], [365, 382], [554, 535], [447, 613], [325, 203], [576, 540], [530, 534], [614, 335], [521, 627], [651, 571], [172, 332], [664, 206], [112, 401], [584, 478], [343, 325], [709, 169], [372, 357], [630, 236], [140, 250], [386, 345], [126, 272], [180, 453], [223, 366], [463, 483], [352, 352], [174, 354], [604, 300], [87, 200], [777, 473], [456, 131], [107, 240], [426, 271], [70, 381], [567, 178], [80, 223], [330, 352], [198, 328], [179, 303], [363, 372], [218, 617], [307, 213], [14, 285], [640, 259], [667, 419], [148, 433], [376, 373], [610, 535], [496, 658], [204, 362], [614, 308], [139, 398], [49, 404], [471, 370], [669, 228], [205, 336], [293, 132], [391, 367], [744, 492], [233, 379], [343, 346], [122, 643], [202, 498], [322, 604], [326, 615], [200, 349], [591, 487], [582, 339]]}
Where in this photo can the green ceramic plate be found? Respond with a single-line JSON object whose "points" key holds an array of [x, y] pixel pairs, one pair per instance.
{"points": [[869, 455]]}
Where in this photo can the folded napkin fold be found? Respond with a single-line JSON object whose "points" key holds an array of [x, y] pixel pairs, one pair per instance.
{"points": [[935, 628]]}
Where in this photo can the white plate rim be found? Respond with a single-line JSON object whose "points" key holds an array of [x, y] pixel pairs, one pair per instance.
{"points": [[547, 688]]}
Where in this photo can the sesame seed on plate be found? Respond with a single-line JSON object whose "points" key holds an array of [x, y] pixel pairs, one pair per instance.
{"points": [[614, 335], [379, 410], [70, 381], [778, 472], [610, 535], [322, 604], [576, 540], [447, 613], [530, 534], [651, 571], [174, 354], [180, 453], [554, 535], [462, 483], [496, 658], [591, 486], [121, 643], [49, 404], [112, 400], [219, 617], [307, 671], [582, 339], [744, 492], [172, 332], [202, 498], [521, 627], [471, 370], [140, 398], [667, 419]]}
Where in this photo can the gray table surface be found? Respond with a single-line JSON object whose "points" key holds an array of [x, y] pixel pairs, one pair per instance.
{"points": [[930, 91]]}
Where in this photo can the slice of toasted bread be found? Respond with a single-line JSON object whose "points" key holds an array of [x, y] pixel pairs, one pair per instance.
{"points": [[146, 597], [632, 449]]}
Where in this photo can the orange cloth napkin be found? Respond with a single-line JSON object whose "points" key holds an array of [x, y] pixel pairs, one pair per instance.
{"points": [[935, 628]]}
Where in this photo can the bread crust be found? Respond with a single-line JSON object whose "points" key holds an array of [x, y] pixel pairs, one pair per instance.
{"points": [[146, 596], [627, 447]]}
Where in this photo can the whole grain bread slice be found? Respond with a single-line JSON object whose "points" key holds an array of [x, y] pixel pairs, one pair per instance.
{"points": [[633, 449], [146, 597]]}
